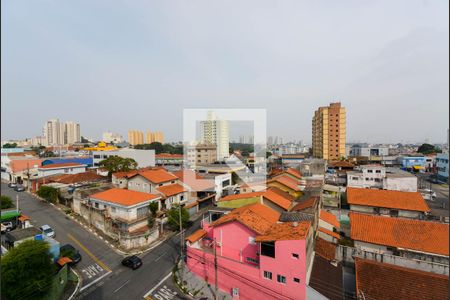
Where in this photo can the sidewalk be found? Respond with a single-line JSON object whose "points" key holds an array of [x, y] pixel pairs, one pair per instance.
{"points": [[194, 287]]}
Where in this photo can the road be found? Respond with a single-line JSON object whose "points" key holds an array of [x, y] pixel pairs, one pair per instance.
{"points": [[440, 205], [103, 276]]}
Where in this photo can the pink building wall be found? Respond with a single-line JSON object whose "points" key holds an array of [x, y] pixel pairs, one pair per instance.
{"points": [[235, 272]]}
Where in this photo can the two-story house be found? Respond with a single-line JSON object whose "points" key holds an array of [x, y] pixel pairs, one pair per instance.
{"points": [[388, 203], [257, 256]]}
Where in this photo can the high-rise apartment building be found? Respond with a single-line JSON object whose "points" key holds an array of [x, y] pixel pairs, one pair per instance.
{"points": [[156, 136], [59, 133], [135, 137], [329, 132], [72, 133], [111, 137], [216, 132]]}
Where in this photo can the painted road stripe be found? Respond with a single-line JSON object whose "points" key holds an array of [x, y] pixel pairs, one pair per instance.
{"points": [[95, 281], [156, 286], [159, 257], [99, 262], [116, 290]]}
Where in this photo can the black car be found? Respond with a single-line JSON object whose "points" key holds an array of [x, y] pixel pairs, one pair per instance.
{"points": [[12, 185], [133, 262], [69, 251], [19, 188]]}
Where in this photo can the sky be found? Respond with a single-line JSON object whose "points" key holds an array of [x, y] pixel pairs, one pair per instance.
{"points": [[120, 65]]}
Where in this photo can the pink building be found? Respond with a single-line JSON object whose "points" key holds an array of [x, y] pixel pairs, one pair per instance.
{"points": [[257, 256]]}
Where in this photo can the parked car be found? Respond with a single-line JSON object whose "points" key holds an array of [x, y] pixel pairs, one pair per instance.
{"points": [[69, 251], [7, 226], [132, 262], [47, 230], [428, 192], [19, 188], [12, 185]]}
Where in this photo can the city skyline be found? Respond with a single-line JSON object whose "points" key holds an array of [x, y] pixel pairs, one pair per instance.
{"points": [[396, 66]]}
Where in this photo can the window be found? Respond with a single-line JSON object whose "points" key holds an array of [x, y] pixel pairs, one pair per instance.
{"points": [[355, 178], [181, 197], [268, 275], [160, 184], [268, 249], [378, 171], [281, 278], [142, 211], [370, 171], [66, 170], [96, 156], [252, 260], [96, 204], [297, 280], [377, 180], [173, 181], [295, 256]]}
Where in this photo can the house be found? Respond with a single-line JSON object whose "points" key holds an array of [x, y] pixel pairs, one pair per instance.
{"points": [[380, 177], [331, 195], [290, 172], [375, 280], [15, 237], [287, 184], [328, 227], [164, 159], [442, 166], [123, 214], [15, 168], [412, 239], [292, 160], [61, 168], [257, 257], [173, 194], [389, 203], [149, 180]]}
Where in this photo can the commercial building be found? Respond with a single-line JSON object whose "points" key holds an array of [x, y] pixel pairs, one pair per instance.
{"points": [[415, 163], [111, 137], [135, 137], [368, 150], [144, 158], [61, 168], [442, 166], [216, 132], [329, 132], [201, 154]]}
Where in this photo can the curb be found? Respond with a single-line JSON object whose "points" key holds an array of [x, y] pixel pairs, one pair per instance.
{"points": [[77, 288], [179, 286]]}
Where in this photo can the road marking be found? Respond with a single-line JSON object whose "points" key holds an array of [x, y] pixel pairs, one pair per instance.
{"points": [[159, 257], [95, 281], [156, 286], [92, 270], [89, 253], [121, 286], [164, 293]]}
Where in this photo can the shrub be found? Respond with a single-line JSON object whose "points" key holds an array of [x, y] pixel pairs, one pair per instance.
{"points": [[48, 193], [6, 202]]}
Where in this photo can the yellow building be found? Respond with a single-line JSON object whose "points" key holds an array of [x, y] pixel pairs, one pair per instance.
{"points": [[156, 136], [101, 146], [329, 132], [135, 137]]}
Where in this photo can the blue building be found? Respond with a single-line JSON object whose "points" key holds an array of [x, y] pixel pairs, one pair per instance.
{"points": [[415, 163], [442, 166], [89, 161]]}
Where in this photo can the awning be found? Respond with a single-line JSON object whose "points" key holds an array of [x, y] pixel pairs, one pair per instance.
{"points": [[63, 260], [23, 218], [9, 215]]}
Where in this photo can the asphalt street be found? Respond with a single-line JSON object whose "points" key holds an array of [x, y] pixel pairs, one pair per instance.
{"points": [[103, 276]]}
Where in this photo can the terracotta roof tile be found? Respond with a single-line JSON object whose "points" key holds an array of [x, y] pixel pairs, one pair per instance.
{"points": [[123, 197], [387, 199], [285, 231], [329, 232], [169, 156], [342, 164], [329, 218], [431, 237], [385, 281], [287, 181], [61, 165], [242, 196], [277, 198], [157, 175], [171, 189], [325, 249], [196, 236], [294, 173], [257, 217], [309, 203], [79, 177]]}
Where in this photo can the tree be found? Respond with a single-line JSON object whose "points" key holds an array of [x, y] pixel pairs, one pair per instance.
{"points": [[153, 207], [48, 193], [173, 216], [27, 271], [8, 145], [268, 154], [118, 164], [428, 149], [6, 202]]}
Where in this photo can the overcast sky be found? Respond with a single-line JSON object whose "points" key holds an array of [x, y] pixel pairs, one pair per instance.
{"points": [[119, 65]]}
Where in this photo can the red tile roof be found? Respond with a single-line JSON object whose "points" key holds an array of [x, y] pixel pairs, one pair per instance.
{"points": [[287, 181], [196, 236], [329, 218], [169, 156], [123, 197], [277, 198], [171, 189], [256, 216], [18, 165], [294, 173], [285, 232], [341, 164], [194, 180], [331, 233], [388, 199], [242, 196], [61, 165], [325, 249], [79, 177], [424, 236], [311, 202], [157, 176], [385, 281]]}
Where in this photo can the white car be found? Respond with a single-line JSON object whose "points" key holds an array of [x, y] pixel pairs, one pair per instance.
{"points": [[428, 192], [47, 230]]}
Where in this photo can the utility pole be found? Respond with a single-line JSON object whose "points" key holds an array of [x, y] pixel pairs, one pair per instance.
{"points": [[181, 232], [17, 203], [216, 296]]}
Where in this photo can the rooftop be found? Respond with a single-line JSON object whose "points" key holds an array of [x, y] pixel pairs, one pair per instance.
{"points": [[287, 181], [278, 197], [123, 197], [325, 249], [385, 281], [388, 199], [171, 189], [157, 175], [285, 231], [295, 216], [329, 218], [424, 236], [79, 177], [62, 165], [196, 236], [194, 180], [306, 204]]}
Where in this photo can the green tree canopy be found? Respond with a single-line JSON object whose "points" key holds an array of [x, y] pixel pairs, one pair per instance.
{"points": [[27, 271], [10, 145], [153, 206], [6, 202], [48, 193], [428, 149], [118, 164], [161, 148], [173, 216]]}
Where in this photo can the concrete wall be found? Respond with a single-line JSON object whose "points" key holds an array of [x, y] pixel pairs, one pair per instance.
{"points": [[144, 158], [71, 170], [404, 184]]}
